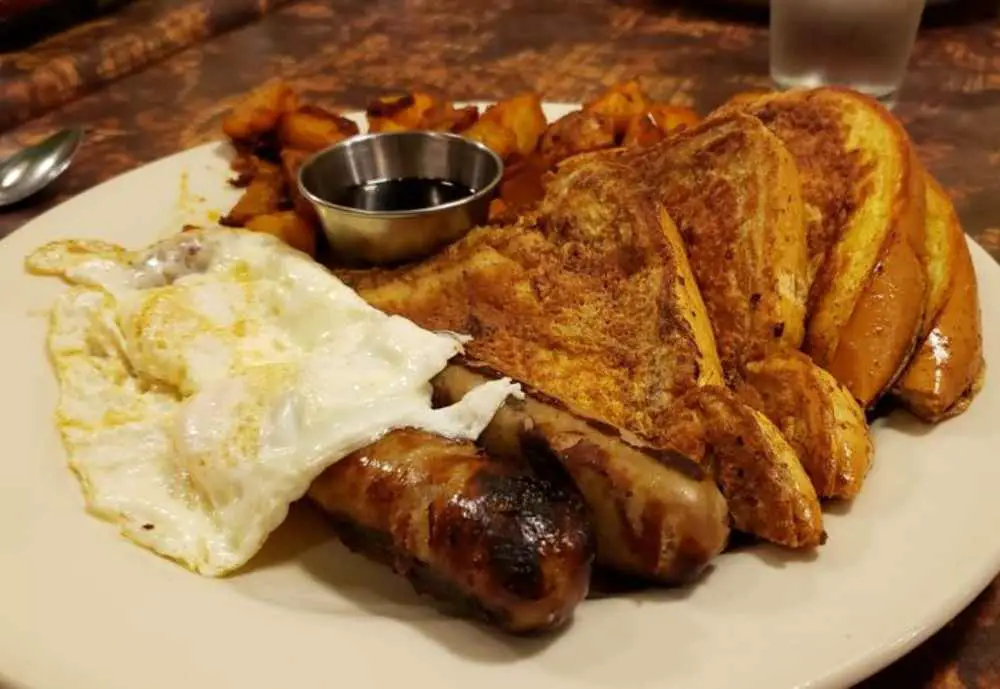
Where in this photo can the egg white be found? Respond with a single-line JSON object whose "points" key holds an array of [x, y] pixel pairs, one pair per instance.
{"points": [[206, 381]]}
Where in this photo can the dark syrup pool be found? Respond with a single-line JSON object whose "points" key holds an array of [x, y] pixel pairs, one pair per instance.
{"points": [[406, 194]]}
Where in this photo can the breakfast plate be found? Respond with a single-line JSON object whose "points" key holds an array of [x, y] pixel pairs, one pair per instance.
{"points": [[85, 608]]}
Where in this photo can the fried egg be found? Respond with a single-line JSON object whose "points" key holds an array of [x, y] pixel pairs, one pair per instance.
{"points": [[205, 382]]}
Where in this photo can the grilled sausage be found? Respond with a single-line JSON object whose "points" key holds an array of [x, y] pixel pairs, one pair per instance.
{"points": [[657, 514], [511, 548]]}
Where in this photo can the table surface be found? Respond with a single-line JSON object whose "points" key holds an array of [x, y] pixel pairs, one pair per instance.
{"points": [[343, 52]]}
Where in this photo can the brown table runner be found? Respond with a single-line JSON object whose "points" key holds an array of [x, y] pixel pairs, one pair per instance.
{"points": [[84, 58]]}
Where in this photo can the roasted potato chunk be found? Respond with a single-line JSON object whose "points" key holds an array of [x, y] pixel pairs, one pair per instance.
{"points": [[522, 115], [620, 103], [310, 128], [244, 167], [289, 227], [461, 118], [501, 139], [671, 117], [260, 111], [642, 131], [262, 197], [418, 111], [291, 161], [577, 132]]}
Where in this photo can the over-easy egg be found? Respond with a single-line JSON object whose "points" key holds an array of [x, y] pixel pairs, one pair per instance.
{"points": [[206, 381]]}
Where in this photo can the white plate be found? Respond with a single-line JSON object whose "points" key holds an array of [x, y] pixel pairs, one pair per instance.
{"points": [[80, 607]]}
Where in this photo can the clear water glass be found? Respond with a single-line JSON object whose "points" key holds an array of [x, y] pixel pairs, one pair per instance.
{"points": [[863, 44]]}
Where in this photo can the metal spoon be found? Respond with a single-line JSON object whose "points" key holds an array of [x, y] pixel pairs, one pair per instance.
{"points": [[31, 169]]}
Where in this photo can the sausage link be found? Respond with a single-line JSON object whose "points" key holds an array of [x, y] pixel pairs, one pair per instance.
{"points": [[512, 548], [657, 514]]}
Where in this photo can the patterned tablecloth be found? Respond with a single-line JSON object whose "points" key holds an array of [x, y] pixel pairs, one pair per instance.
{"points": [[343, 52]]}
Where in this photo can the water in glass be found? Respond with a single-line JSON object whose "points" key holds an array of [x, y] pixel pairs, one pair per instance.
{"points": [[864, 44]]}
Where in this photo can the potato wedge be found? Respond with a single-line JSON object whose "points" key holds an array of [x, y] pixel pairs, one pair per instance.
{"points": [[311, 128], [262, 197], [577, 132], [620, 103], [288, 226], [259, 112]]}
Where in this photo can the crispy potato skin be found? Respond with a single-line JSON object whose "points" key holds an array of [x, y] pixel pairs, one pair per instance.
{"points": [[310, 128], [498, 138], [620, 104], [263, 196], [259, 112], [512, 548], [522, 115], [418, 110]]}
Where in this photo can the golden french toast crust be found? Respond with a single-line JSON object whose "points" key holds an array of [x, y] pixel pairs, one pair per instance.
{"points": [[889, 315], [733, 191], [942, 376], [773, 499], [865, 200], [834, 179], [562, 305]]}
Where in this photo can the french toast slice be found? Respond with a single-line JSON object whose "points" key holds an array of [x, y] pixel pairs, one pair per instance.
{"points": [[769, 492], [591, 301], [733, 190], [947, 369], [613, 326], [864, 197]]}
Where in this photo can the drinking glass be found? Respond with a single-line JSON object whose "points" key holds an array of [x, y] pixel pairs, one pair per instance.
{"points": [[863, 44]]}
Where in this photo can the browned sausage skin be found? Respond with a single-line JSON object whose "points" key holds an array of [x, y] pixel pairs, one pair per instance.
{"points": [[657, 515], [512, 548]]}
